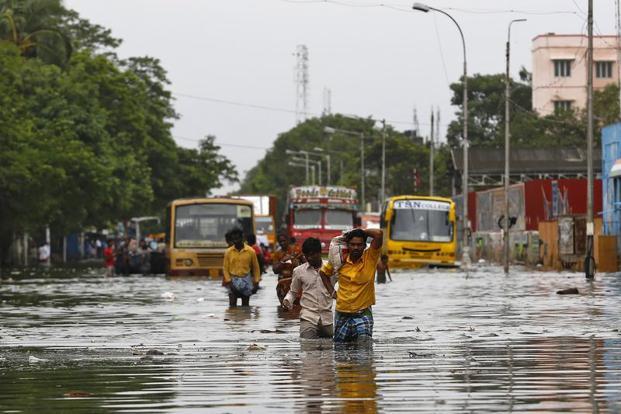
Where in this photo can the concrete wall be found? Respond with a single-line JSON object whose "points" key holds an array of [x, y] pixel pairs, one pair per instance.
{"points": [[547, 88]]}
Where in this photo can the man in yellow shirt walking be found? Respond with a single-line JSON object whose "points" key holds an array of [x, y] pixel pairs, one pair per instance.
{"points": [[353, 320], [241, 269]]}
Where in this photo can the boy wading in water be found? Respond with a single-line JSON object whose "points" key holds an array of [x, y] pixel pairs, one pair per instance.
{"points": [[356, 293], [316, 301], [383, 270], [241, 270]]}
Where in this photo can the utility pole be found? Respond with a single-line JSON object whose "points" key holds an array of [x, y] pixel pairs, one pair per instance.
{"points": [[362, 177], [589, 262], [505, 226], [618, 27], [431, 148], [383, 195]]}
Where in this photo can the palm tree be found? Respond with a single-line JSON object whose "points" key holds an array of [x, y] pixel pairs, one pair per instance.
{"points": [[34, 26]]}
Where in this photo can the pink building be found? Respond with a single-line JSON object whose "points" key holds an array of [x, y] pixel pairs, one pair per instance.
{"points": [[560, 70]]}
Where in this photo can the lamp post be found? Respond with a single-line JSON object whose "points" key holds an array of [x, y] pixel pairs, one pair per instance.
{"points": [[312, 164], [466, 248], [330, 130], [321, 151], [589, 262], [383, 163], [505, 225], [292, 152], [297, 164]]}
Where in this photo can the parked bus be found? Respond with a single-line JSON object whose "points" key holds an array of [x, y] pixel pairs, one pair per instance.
{"points": [[195, 230], [321, 212], [419, 231], [266, 230]]}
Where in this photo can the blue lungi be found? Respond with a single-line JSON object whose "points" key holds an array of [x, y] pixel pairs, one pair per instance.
{"points": [[350, 327]]}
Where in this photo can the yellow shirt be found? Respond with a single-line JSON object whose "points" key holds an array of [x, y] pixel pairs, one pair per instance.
{"points": [[356, 282], [238, 263]]}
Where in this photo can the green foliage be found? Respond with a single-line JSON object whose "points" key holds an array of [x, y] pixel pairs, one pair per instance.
{"points": [[274, 175], [88, 142]]}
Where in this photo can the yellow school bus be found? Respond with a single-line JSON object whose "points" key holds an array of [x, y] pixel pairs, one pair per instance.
{"points": [[419, 231], [195, 229]]}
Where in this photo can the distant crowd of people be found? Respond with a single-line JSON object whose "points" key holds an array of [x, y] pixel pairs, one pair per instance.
{"points": [[127, 255]]}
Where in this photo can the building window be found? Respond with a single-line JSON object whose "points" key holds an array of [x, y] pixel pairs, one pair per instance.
{"points": [[562, 68], [603, 69], [562, 106]]}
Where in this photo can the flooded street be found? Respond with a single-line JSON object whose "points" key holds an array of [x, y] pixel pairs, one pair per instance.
{"points": [[74, 341]]}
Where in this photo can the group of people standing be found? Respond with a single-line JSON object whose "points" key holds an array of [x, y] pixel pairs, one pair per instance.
{"points": [[313, 281], [127, 255]]}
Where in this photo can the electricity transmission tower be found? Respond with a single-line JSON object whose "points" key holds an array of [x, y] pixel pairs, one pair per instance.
{"points": [[301, 82]]}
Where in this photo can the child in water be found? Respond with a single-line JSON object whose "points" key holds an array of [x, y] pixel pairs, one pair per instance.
{"points": [[382, 269]]}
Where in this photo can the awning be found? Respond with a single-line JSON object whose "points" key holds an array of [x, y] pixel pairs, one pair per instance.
{"points": [[615, 171]]}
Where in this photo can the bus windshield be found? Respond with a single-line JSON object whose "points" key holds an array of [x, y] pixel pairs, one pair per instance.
{"points": [[339, 220], [420, 224], [307, 219], [204, 225], [263, 225]]}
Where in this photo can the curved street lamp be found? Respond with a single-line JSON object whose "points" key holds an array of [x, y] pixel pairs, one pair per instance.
{"points": [[466, 248]]}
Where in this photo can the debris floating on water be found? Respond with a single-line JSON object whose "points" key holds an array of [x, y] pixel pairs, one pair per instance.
{"points": [[154, 352], [568, 291], [78, 394], [35, 360], [255, 347], [168, 296]]}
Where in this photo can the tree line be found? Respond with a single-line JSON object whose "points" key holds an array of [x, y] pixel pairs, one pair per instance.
{"points": [[85, 135]]}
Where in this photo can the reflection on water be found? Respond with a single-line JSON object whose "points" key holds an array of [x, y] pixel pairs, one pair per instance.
{"points": [[77, 342]]}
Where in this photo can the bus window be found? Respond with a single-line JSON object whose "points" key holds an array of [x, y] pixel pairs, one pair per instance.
{"points": [[421, 225], [203, 225], [263, 225], [339, 220], [307, 219]]}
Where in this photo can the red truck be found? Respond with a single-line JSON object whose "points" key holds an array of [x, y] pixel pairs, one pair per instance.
{"points": [[322, 212]]}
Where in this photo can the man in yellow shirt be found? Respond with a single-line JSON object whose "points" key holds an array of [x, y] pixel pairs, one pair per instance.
{"points": [[241, 269], [353, 320]]}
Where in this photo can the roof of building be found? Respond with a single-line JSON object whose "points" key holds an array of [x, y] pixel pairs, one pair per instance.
{"points": [[554, 161]]}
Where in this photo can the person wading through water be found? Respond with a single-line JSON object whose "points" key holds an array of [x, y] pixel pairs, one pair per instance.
{"points": [[241, 270], [316, 300], [353, 320], [283, 262]]}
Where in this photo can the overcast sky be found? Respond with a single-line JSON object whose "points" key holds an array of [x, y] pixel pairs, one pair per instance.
{"points": [[378, 58]]}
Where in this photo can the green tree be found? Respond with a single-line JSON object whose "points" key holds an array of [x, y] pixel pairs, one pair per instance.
{"points": [[34, 26]]}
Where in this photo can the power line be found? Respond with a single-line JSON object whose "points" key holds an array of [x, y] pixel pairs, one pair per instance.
{"points": [[271, 108], [403, 7], [223, 144]]}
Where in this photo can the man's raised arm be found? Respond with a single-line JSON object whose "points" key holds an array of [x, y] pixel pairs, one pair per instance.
{"points": [[378, 237]]}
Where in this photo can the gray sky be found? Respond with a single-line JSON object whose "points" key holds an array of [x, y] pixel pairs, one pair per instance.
{"points": [[379, 61]]}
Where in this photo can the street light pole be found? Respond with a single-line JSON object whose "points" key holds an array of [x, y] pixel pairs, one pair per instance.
{"points": [[589, 262], [466, 223], [383, 162], [362, 199], [505, 225], [431, 149], [321, 152]]}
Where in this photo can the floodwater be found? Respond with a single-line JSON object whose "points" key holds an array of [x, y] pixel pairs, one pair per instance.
{"points": [[444, 341]]}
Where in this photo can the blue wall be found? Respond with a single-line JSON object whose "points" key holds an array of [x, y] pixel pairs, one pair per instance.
{"points": [[611, 152]]}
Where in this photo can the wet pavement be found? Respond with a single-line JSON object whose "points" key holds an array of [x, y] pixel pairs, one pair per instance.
{"points": [[74, 341]]}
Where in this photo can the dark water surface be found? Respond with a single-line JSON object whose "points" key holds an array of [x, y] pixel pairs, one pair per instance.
{"points": [[74, 341]]}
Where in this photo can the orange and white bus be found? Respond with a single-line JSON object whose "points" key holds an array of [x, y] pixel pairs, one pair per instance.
{"points": [[195, 230], [419, 231]]}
